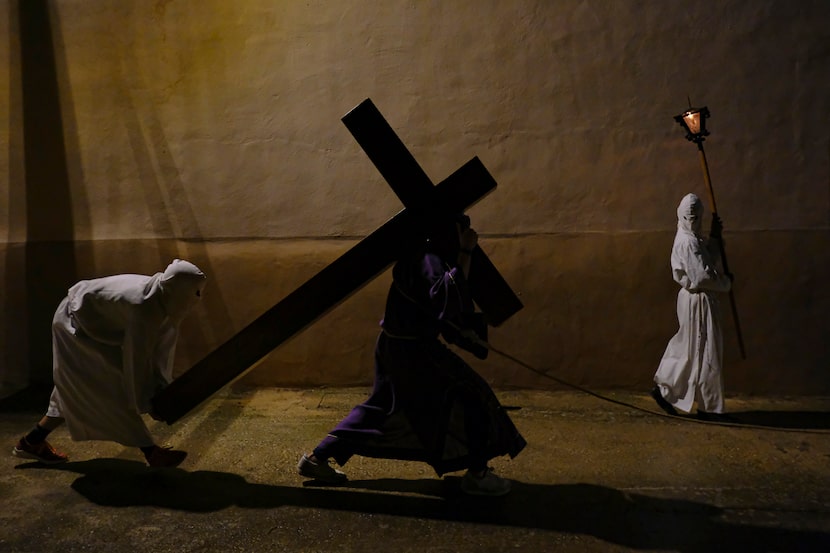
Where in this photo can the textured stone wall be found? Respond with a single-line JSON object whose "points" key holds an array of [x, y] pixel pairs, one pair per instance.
{"points": [[132, 132]]}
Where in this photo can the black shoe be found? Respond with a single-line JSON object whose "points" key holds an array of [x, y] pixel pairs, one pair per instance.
{"points": [[661, 401], [715, 417], [320, 471]]}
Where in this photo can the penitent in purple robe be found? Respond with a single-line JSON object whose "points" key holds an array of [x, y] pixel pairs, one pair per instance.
{"points": [[427, 403]]}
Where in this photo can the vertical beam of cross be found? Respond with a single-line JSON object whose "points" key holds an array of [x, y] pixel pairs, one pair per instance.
{"points": [[322, 292]]}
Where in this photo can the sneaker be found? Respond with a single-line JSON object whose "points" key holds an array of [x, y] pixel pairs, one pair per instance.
{"points": [[320, 471], [165, 457], [661, 401], [42, 452], [489, 484]]}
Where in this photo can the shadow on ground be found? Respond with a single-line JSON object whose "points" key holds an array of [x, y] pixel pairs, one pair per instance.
{"points": [[629, 519], [808, 420]]}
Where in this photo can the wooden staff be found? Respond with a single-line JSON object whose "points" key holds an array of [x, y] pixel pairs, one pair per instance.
{"points": [[714, 207]]}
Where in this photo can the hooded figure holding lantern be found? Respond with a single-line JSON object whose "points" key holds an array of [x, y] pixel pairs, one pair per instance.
{"points": [[691, 368]]}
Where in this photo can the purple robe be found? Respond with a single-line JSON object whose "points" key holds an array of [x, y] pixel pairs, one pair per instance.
{"points": [[427, 403]]}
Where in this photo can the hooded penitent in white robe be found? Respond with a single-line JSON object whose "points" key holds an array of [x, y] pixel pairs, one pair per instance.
{"points": [[113, 342], [691, 366]]}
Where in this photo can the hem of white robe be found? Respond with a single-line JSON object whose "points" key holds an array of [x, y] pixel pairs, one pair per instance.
{"points": [[683, 403]]}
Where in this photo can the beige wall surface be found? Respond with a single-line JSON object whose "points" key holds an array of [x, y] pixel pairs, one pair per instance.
{"points": [[133, 132]]}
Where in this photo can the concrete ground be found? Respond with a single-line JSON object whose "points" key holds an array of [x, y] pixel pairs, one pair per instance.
{"points": [[596, 476]]}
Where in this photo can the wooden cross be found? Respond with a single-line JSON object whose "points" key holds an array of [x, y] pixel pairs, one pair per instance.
{"points": [[355, 268]]}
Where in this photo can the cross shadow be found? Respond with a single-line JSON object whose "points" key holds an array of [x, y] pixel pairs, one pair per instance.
{"points": [[628, 519]]}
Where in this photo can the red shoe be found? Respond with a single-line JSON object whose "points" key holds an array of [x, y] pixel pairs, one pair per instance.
{"points": [[165, 457], [42, 452]]}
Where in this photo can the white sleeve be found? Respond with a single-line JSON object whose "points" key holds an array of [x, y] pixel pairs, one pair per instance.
{"points": [[165, 354], [695, 270], [141, 336]]}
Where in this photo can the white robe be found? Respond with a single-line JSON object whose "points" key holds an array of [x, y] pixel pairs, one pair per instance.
{"points": [[113, 348], [690, 369]]}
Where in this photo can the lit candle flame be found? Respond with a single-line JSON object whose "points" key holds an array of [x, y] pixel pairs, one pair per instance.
{"points": [[693, 122]]}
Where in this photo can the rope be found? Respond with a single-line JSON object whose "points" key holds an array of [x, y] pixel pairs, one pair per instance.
{"points": [[641, 409]]}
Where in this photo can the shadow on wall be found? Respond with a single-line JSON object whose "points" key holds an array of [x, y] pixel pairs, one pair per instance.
{"points": [[45, 265], [54, 253]]}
